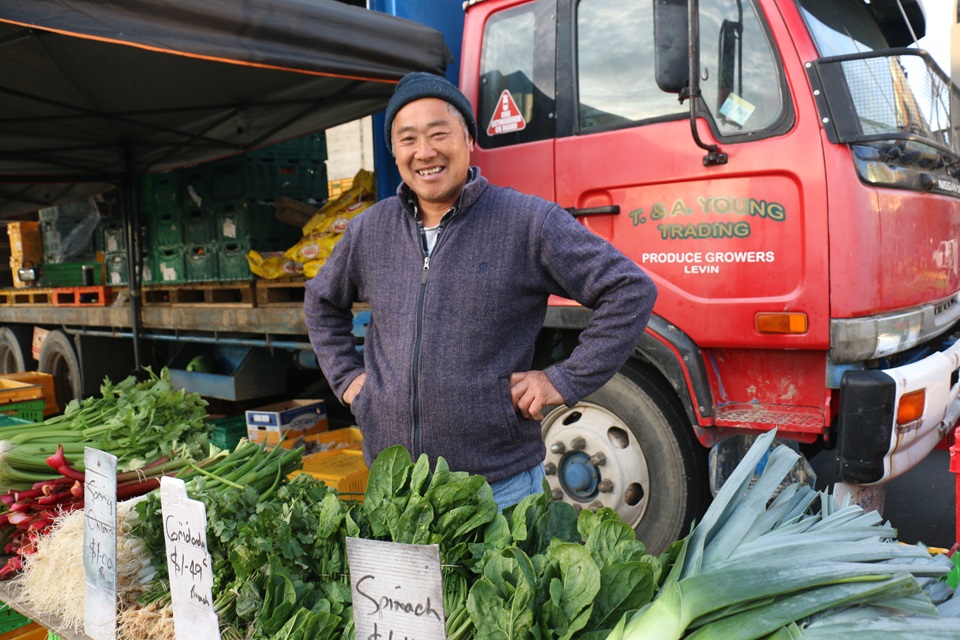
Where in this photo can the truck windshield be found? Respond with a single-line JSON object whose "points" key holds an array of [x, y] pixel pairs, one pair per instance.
{"points": [[842, 26], [895, 107]]}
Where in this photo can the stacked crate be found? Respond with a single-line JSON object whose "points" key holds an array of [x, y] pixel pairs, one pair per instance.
{"points": [[205, 219], [26, 248], [113, 240], [57, 222]]}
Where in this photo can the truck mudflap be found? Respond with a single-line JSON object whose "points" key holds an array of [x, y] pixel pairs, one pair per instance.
{"points": [[873, 445]]}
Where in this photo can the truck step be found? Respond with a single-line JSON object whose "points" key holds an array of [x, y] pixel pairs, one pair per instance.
{"points": [[82, 296], [26, 297], [796, 420], [240, 293], [280, 293]]}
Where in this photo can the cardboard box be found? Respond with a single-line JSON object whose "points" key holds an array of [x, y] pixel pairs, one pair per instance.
{"points": [[285, 422]]}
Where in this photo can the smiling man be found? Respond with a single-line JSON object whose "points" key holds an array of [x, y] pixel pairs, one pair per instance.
{"points": [[457, 273]]}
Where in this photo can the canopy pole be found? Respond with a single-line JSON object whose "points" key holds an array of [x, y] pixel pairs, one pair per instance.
{"points": [[131, 229]]}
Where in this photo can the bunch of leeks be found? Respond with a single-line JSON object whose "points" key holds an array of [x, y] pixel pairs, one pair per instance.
{"points": [[764, 561]]}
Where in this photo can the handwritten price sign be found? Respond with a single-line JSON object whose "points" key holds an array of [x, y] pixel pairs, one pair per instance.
{"points": [[397, 590], [100, 544], [188, 563]]}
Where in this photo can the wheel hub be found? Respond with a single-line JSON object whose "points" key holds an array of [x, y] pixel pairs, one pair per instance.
{"points": [[593, 460], [578, 477]]}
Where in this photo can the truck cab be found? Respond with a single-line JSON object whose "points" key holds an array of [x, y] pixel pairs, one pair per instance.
{"points": [[797, 206]]}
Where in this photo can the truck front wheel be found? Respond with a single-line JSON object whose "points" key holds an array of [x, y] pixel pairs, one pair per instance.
{"points": [[628, 447], [59, 359], [14, 350]]}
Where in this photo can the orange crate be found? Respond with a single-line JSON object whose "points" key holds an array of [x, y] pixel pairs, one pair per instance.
{"points": [[25, 241], [32, 631], [16, 391], [331, 442], [45, 380], [342, 469]]}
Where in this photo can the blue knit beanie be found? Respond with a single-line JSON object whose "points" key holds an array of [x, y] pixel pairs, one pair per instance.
{"points": [[420, 84]]}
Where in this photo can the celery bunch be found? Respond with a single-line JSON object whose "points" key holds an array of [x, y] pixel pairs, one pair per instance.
{"points": [[761, 564]]}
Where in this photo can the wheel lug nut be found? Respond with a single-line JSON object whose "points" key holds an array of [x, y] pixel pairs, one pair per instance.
{"points": [[578, 508], [605, 486], [549, 468], [557, 448], [578, 444], [598, 459], [557, 495], [596, 504]]}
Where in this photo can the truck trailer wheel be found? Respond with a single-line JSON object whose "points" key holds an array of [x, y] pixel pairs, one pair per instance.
{"points": [[628, 447], [58, 358], [14, 350]]}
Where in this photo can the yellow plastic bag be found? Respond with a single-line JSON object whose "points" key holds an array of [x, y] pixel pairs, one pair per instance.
{"points": [[273, 265], [334, 216]]}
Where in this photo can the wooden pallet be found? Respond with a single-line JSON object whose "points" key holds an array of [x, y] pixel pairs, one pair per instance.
{"points": [[98, 296], [287, 292], [25, 297], [239, 293]]}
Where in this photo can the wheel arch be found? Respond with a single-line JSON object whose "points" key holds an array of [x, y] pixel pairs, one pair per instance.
{"points": [[665, 347]]}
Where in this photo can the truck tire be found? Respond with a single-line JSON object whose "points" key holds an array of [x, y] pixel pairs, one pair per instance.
{"points": [[14, 350], [59, 359], [628, 447]]}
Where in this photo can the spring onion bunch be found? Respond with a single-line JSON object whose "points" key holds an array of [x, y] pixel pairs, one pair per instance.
{"points": [[764, 561]]}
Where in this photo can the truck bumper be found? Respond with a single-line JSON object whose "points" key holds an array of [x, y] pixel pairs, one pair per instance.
{"points": [[872, 447]]}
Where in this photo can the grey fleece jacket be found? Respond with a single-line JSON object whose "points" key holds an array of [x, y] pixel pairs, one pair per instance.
{"points": [[446, 333]]}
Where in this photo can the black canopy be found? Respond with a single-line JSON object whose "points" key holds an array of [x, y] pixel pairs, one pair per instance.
{"points": [[95, 90]]}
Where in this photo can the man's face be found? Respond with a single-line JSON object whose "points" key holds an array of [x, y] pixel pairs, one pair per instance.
{"points": [[432, 152]]}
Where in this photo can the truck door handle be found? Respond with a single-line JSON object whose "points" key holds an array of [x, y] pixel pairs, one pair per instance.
{"points": [[613, 209]]}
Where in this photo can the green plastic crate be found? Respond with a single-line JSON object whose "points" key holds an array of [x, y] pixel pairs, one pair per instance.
{"points": [[196, 186], [199, 226], [311, 147], [232, 261], [69, 274], [11, 619], [160, 192], [29, 410], [166, 228], [11, 421], [200, 263], [112, 237], [115, 265], [226, 433], [168, 266], [232, 221]]}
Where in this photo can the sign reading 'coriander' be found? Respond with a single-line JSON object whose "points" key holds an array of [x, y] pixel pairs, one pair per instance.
{"points": [[188, 563], [397, 590], [100, 544]]}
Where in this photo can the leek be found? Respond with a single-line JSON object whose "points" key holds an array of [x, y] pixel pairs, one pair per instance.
{"points": [[763, 559]]}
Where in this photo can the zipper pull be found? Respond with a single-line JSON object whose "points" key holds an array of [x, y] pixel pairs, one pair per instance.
{"points": [[426, 269]]}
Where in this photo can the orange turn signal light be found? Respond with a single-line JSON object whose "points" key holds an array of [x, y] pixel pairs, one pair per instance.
{"points": [[911, 406], [781, 322]]}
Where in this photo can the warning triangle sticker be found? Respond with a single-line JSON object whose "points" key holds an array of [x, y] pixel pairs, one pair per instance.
{"points": [[506, 118]]}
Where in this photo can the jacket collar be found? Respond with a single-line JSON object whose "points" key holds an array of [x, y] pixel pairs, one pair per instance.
{"points": [[475, 185]]}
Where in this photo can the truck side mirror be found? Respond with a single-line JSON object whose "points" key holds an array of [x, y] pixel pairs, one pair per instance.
{"points": [[671, 44]]}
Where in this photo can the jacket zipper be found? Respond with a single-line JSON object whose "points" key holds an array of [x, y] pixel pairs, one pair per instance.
{"points": [[424, 274], [416, 358]]}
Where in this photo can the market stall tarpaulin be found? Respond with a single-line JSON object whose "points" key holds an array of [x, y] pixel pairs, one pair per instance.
{"points": [[92, 91]]}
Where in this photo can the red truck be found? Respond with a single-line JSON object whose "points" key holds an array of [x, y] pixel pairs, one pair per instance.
{"points": [[797, 205], [786, 170]]}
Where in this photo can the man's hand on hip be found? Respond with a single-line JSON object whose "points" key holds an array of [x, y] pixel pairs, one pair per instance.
{"points": [[531, 391], [353, 389]]}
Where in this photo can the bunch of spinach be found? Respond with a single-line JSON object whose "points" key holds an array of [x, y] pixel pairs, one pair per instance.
{"points": [[556, 575]]}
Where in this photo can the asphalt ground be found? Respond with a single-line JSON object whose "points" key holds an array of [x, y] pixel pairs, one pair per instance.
{"points": [[921, 503]]}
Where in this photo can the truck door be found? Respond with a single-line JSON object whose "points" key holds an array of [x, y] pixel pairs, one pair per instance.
{"points": [[512, 83], [723, 242]]}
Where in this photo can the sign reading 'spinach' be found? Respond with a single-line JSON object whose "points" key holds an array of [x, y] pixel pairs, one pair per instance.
{"points": [[506, 117]]}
